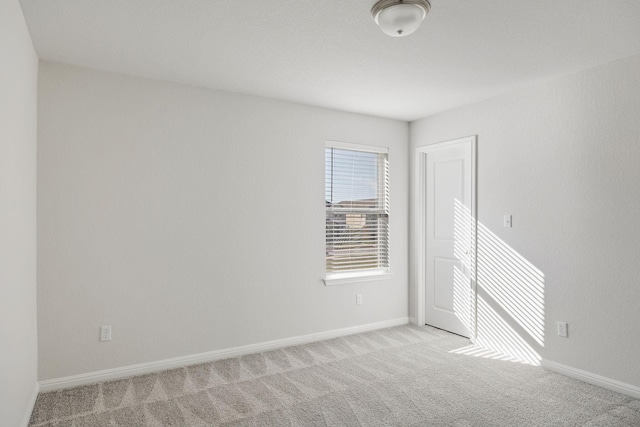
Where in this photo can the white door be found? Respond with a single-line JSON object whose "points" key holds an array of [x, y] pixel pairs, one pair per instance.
{"points": [[450, 236]]}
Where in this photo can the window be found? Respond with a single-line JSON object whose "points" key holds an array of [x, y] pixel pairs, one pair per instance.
{"points": [[357, 210]]}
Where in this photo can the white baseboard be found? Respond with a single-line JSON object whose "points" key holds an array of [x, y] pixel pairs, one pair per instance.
{"points": [[413, 320], [194, 359], [32, 403], [588, 377]]}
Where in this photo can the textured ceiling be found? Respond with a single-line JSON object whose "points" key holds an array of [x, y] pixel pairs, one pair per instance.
{"points": [[330, 53]]}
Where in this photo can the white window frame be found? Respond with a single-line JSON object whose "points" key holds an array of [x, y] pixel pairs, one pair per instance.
{"points": [[356, 276]]}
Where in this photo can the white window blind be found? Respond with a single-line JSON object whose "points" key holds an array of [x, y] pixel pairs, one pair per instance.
{"points": [[357, 210]]}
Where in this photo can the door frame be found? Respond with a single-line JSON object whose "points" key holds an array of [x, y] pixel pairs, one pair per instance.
{"points": [[421, 215]]}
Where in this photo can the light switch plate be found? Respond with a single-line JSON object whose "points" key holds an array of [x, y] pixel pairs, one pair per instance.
{"points": [[562, 329]]}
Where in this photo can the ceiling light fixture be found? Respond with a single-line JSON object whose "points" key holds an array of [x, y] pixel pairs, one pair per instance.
{"points": [[399, 18]]}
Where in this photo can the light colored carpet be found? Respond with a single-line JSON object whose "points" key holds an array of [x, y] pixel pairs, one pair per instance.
{"points": [[403, 376]]}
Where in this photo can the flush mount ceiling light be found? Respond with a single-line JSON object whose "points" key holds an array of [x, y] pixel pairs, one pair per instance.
{"points": [[399, 18]]}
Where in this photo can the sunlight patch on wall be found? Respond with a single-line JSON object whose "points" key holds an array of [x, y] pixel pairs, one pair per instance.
{"points": [[494, 332], [509, 317], [512, 282]]}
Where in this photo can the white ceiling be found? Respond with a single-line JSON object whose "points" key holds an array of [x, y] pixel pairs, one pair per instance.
{"points": [[330, 53]]}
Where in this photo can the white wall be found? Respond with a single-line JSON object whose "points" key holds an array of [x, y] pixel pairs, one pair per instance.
{"points": [[18, 334], [191, 220], [563, 158]]}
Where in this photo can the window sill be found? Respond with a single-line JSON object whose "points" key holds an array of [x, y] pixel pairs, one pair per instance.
{"points": [[356, 277]]}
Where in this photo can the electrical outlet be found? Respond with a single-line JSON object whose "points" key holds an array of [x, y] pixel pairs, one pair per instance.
{"points": [[563, 329], [105, 333], [358, 299]]}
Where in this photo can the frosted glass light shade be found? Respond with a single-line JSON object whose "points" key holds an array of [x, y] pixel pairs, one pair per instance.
{"points": [[398, 18]]}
